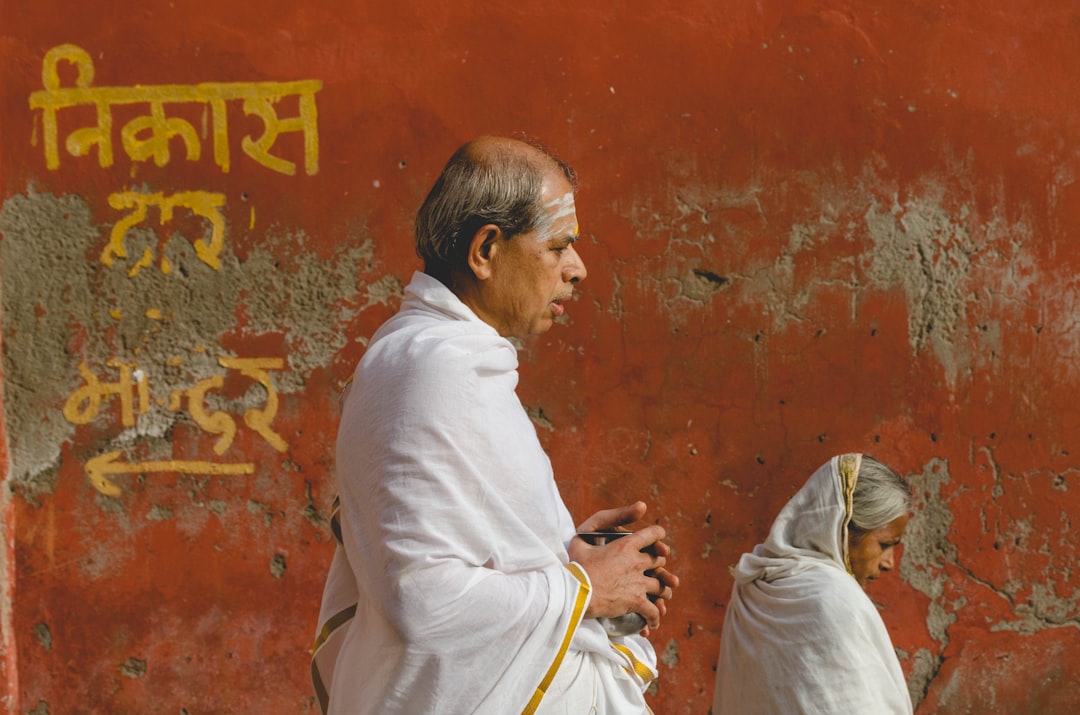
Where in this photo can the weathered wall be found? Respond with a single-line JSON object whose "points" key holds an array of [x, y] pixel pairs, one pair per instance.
{"points": [[810, 227]]}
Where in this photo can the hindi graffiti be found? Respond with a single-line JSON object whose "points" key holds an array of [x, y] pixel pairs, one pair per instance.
{"points": [[150, 136], [131, 387], [164, 123], [200, 203]]}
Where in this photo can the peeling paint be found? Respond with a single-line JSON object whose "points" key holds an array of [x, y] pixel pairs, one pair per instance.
{"points": [[936, 256], [927, 550], [670, 656], [44, 635], [133, 668], [277, 565], [307, 299], [1043, 609], [781, 254], [159, 513]]}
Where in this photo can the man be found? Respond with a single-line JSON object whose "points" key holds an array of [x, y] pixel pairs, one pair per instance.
{"points": [[458, 585]]}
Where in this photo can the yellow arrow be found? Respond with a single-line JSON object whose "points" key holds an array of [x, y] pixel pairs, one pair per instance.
{"points": [[104, 464]]}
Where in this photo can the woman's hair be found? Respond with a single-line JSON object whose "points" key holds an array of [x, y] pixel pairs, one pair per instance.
{"points": [[500, 186], [880, 496]]}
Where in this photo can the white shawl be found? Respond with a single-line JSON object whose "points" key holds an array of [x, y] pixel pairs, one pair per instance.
{"points": [[800, 635], [451, 589]]}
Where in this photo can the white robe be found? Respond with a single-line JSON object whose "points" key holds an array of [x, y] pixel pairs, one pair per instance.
{"points": [[451, 590], [800, 635]]}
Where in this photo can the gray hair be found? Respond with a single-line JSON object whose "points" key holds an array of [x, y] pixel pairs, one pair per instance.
{"points": [[497, 183], [880, 496]]}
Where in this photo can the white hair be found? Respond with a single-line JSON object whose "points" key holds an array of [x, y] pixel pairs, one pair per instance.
{"points": [[880, 496]]}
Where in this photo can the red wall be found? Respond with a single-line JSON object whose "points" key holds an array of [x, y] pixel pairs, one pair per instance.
{"points": [[810, 227]]}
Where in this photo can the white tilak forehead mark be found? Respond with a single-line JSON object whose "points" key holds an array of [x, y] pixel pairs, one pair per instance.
{"points": [[555, 210], [564, 205]]}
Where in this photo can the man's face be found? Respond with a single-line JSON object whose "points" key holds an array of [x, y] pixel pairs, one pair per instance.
{"points": [[534, 273], [872, 552]]}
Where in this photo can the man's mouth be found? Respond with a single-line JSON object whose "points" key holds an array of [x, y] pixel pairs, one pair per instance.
{"points": [[557, 308]]}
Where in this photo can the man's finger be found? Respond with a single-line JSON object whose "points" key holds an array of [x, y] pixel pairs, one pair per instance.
{"points": [[647, 538], [666, 578], [609, 519]]}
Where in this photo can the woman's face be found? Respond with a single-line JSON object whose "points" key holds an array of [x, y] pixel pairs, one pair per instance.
{"points": [[872, 552]]}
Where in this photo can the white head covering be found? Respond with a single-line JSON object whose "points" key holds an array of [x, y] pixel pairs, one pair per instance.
{"points": [[811, 529], [800, 635]]}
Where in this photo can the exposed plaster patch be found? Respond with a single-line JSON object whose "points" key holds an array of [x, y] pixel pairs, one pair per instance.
{"points": [[684, 272], [935, 254], [385, 290], [277, 565], [701, 284], [1043, 609], [670, 656], [790, 293], [929, 559], [310, 511], [61, 306], [1060, 321], [43, 310], [133, 668], [44, 635], [934, 247], [923, 670], [255, 507], [536, 414], [922, 248], [308, 302], [927, 551], [159, 513]]}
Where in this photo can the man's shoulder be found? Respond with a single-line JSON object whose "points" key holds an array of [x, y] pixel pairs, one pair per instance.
{"points": [[416, 344], [419, 334]]}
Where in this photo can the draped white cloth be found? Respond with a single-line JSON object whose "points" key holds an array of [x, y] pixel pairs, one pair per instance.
{"points": [[451, 590], [800, 635]]}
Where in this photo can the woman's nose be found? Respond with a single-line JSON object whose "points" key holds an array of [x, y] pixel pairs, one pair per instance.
{"points": [[888, 559]]}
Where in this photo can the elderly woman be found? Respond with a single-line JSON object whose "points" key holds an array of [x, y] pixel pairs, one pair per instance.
{"points": [[800, 634]]}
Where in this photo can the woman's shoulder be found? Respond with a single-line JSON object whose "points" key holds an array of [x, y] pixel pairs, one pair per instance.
{"points": [[834, 596]]}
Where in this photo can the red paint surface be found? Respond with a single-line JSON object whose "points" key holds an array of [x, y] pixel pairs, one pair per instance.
{"points": [[710, 139]]}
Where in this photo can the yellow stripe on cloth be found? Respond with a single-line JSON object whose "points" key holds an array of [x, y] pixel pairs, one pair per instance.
{"points": [[848, 467], [644, 672], [332, 624], [575, 620]]}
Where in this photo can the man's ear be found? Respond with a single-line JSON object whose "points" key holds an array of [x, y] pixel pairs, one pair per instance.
{"points": [[483, 246]]}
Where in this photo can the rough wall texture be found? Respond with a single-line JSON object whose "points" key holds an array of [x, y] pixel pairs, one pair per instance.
{"points": [[810, 227]]}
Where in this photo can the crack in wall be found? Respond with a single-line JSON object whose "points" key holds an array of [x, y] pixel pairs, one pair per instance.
{"points": [[927, 551], [929, 557]]}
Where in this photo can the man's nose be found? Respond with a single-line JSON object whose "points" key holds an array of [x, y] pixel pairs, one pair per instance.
{"points": [[574, 271]]}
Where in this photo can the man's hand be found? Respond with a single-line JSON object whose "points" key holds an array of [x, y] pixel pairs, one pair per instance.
{"points": [[627, 574]]}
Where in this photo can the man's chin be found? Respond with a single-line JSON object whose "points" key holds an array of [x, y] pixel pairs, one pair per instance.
{"points": [[542, 326]]}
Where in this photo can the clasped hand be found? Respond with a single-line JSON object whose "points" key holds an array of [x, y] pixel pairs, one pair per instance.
{"points": [[628, 575]]}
